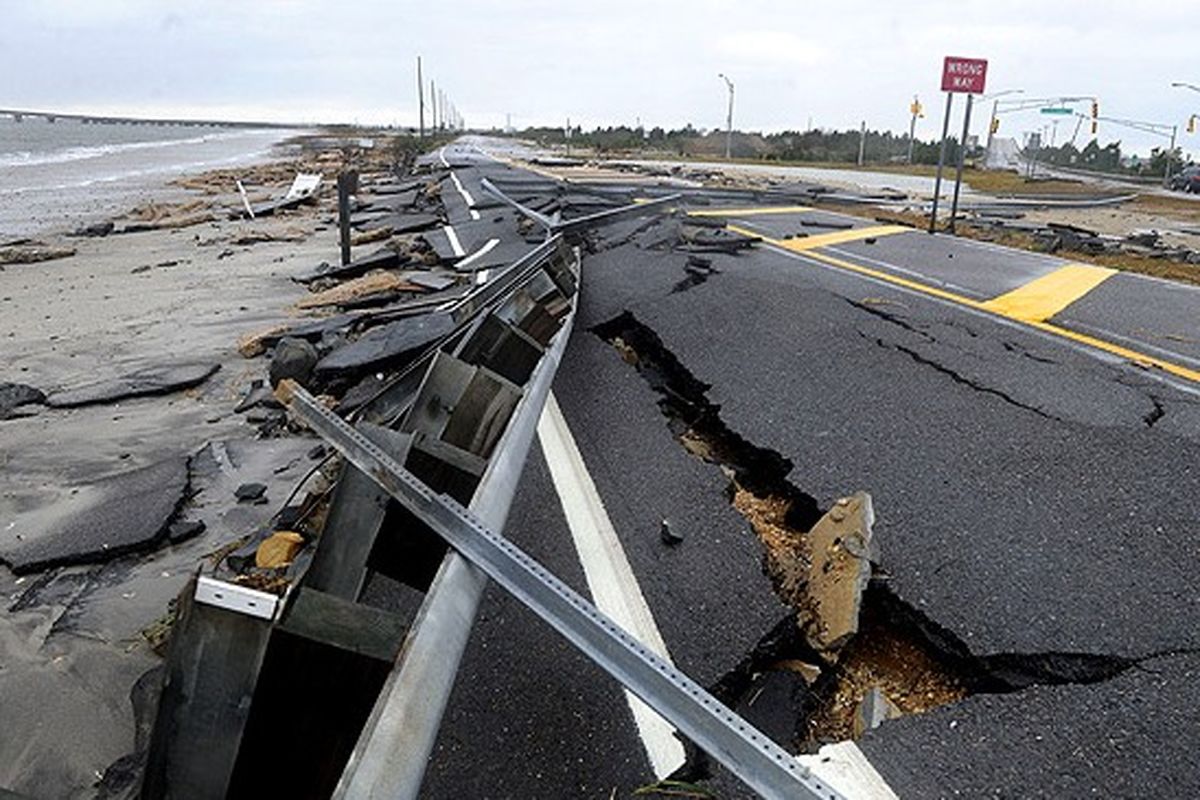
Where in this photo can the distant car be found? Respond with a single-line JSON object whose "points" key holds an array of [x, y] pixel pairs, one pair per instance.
{"points": [[1188, 180]]}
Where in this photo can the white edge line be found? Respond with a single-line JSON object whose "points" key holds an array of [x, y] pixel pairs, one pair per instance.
{"points": [[467, 198], [480, 253], [442, 156], [844, 767], [455, 244], [610, 579]]}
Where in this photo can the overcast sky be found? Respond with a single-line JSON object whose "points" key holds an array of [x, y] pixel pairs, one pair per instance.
{"points": [[606, 62]]}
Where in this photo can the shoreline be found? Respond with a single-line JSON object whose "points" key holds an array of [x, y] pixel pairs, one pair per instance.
{"points": [[60, 192], [75, 656]]}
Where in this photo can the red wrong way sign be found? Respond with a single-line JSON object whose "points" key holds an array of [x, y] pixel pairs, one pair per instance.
{"points": [[964, 74]]}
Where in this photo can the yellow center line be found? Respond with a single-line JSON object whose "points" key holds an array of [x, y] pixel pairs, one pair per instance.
{"points": [[1135, 356], [748, 212], [806, 243], [1041, 299]]}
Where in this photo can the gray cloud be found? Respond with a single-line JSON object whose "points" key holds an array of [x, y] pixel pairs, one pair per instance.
{"points": [[836, 63]]}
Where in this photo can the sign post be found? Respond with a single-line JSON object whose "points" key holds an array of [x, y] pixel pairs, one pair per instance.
{"points": [[966, 75]]}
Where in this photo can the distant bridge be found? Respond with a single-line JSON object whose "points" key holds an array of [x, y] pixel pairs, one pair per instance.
{"points": [[19, 115]]}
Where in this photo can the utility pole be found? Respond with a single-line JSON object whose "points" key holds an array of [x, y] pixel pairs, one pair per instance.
{"points": [[420, 101], [728, 117], [1170, 156], [433, 99], [862, 142]]}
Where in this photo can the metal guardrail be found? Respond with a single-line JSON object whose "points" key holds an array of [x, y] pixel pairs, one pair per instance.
{"points": [[407, 716], [759, 762], [252, 675], [463, 420], [555, 225]]}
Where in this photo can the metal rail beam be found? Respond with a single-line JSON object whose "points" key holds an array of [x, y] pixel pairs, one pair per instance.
{"points": [[755, 759], [409, 711]]}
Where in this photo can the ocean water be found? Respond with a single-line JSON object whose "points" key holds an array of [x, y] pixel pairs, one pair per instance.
{"points": [[57, 176]]}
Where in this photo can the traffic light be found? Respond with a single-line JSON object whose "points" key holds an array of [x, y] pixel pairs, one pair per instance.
{"points": [[1094, 127], [995, 125], [1095, 109], [1191, 128]]}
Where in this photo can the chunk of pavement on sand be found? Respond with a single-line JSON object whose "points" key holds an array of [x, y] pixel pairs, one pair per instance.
{"points": [[385, 345], [141, 383], [183, 530], [293, 358], [839, 569], [118, 514], [249, 492], [13, 395]]}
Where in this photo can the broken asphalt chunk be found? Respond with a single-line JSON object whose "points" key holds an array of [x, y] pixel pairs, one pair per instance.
{"points": [[839, 570], [183, 530], [13, 395], [142, 383], [250, 491], [115, 515], [385, 345], [384, 258], [258, 395], [668, 534], [721, 240], [293, 358]]}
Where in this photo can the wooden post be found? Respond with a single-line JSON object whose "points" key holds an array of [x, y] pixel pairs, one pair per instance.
{"points": [[347, 184]]}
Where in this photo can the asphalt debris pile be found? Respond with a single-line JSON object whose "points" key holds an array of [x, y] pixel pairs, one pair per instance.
{"points": [[851, 654], [1054, 237], [694, 234]]}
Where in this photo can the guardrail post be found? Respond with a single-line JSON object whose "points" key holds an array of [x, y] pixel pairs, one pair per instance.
{"points": [[347, 184]]}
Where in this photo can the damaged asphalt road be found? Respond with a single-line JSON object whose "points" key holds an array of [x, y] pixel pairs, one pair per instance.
{"points": [[1033, 540], [1028, 586]]}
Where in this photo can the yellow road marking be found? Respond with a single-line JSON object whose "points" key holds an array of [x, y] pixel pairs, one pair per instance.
{"points": [[933, 291], [1041, 299], [748, 212], [806, 243]]}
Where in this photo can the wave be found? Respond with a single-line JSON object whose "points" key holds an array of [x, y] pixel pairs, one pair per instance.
{"points": [[247, 158], [25, 158]]}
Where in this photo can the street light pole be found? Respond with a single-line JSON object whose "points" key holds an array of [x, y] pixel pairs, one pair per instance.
{"points": [[728, 117], [992, 119]]}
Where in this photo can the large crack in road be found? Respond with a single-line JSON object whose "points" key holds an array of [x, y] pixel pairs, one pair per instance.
{"points": [[899, 654]]}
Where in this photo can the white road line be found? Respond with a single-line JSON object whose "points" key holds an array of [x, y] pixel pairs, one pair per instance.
{"points": [[455, 244], [610, 579], [844, 767], [912, 273], [442, 156], [480, 253], [470, 201]]}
